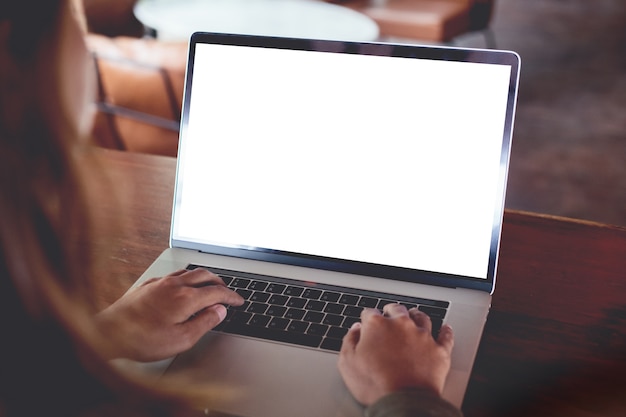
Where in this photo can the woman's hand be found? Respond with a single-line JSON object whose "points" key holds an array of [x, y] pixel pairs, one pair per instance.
{"points": [[394, 351], [165, 316]]}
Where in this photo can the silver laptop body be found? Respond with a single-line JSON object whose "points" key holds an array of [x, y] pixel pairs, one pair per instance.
{"points": [[372, 166]]}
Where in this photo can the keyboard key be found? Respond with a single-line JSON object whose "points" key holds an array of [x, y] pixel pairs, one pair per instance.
{"points": [[409, 305], [258, 285], [331, 344], [240, 283], [296, 302], [259, 320], [333, 320], [352, 311], [293, 291], [227, 279], [317, 329], [330, 296], [295, 313], [258, 308], [383, 303], [295, 338], [315, 305], [368, 302], [297, 326], [312, 294], [276, 288], [336, 332], [276, 311], [278, 323], [280, 300], [245, 294], [437, 323], [313, 316], [334, 308], [433, 312], [349, 299], [349, 321], [260, 297], [241, 317]]}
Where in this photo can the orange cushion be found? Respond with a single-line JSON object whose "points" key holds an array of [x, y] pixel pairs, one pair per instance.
{"points": [[430, 20], [141, 87]]}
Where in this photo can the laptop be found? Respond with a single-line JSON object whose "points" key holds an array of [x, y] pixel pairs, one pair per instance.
{"points": [[346, 174]]}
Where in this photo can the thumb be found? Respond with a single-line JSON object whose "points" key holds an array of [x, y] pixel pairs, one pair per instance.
{"points": [[208, 318], [351, 338]]}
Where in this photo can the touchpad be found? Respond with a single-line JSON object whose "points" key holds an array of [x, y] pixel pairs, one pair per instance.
{"points": [[259, 378]]}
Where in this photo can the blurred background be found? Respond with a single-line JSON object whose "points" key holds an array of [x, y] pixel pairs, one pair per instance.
{"points": [[569, 143]]}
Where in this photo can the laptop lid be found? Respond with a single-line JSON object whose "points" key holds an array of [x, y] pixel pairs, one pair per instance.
{"points": [[374, 159]]}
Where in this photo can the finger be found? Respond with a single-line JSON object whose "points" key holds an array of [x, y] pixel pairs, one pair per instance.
{"points": [[177, 273], [421, 319], [351, 338], [347, 352], [221, 295], [446, 338], [205, 320], [197, 299], [368, 313], [200, 277], [395, 310], [149, 281]]}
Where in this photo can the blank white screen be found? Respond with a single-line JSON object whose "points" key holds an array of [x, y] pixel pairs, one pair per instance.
{"points": [[384, 160]]}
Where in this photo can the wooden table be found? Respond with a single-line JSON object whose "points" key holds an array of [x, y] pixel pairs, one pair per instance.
{"points": [[555, 340]]}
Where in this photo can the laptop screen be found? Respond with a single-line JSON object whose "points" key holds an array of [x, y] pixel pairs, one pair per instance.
{"points": [[357, 157]]}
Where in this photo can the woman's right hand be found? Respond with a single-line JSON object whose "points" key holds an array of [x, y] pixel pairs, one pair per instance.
{"points": [[388, 352]]}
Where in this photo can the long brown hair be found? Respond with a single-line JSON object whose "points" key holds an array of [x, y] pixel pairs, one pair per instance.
{"points": [[50, 363]]}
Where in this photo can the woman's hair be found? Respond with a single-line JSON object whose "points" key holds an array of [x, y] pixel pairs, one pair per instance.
{"points": [[50, 364], [42, 210]]}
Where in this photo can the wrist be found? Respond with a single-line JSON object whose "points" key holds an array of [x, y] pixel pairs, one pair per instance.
{"points": [[420, 402], [106, 330]]}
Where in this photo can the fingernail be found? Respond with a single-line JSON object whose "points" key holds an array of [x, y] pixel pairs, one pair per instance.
{"points": [[356, 325], [221, 311]]}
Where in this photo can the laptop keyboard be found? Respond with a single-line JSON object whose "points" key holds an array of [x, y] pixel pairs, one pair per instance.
{"points": [[304, 313]]}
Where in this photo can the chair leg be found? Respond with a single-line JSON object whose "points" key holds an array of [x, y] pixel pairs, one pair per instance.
{"points": [[149, 32], [490, 38]]}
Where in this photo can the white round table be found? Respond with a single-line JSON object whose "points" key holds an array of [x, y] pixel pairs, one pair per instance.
{"points": [[178, 19]]}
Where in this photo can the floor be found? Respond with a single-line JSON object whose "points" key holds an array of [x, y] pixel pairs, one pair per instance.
{"points": [[569, 144]]}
